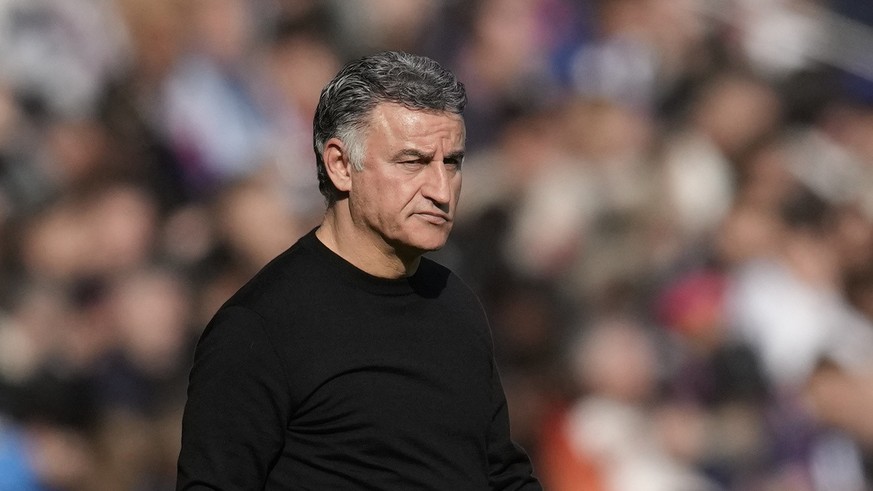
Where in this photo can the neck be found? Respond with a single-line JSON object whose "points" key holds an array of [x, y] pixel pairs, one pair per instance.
{"points": [[365, 249]]}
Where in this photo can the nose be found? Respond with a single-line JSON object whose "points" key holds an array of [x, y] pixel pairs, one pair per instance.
{"points": [[438, 187]]}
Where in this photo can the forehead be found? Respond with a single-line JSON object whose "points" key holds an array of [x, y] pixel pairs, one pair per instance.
{"points": [[395, 121]]}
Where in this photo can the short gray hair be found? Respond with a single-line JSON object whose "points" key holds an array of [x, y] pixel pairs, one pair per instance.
{"points": [[346, 102]]}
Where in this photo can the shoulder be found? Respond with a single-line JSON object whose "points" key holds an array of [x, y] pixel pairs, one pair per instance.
{"points": [[433, 277], [439, 281], [281, 284]]}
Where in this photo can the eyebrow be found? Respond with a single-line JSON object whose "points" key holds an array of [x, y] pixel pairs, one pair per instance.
{"points": [[411, 152], [417, 154], [456, 155]]}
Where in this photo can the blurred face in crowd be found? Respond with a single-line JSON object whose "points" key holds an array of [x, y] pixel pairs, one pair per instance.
{"points": [[403, 199]]}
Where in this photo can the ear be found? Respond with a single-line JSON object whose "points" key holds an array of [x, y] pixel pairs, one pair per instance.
{"points": [[337, 164]]}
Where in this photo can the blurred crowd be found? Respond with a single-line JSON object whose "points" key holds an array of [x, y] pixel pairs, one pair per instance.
{"points": [[667, 212]]}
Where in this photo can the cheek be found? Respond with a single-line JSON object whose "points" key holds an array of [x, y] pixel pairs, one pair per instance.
{"points": [[402, 194], [383, 198]]}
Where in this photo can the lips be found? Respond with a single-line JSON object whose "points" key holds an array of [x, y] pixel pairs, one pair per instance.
{"points": [[435, 218]]}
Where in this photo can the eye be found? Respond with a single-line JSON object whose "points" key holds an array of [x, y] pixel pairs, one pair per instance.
{"points": [[412, 165], [453, 163]]}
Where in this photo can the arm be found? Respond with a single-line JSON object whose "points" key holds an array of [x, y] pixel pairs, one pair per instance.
{"points": [[238, 401], [509, 466]]}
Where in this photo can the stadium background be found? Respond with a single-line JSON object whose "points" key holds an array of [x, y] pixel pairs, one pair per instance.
{"points": [[667, 211]]}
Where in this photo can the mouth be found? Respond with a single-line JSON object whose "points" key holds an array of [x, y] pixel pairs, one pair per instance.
{"points": [[434, 218]]}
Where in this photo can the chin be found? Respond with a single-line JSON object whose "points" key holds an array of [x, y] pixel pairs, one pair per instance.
{"points": [[422, 243], [423, 247]]}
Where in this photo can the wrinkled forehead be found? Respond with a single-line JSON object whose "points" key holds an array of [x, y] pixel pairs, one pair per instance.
{"points": [[416, 120], [402, 121]]}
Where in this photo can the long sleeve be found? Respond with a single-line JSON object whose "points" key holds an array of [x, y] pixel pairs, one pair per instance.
{"points": [[238, 401], [510, 468]]}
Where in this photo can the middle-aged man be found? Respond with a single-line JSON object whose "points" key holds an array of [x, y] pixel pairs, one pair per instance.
{"points": [[350, 361]]}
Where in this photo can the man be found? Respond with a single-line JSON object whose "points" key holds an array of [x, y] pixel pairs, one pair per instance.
{"points": [[351, 362]]}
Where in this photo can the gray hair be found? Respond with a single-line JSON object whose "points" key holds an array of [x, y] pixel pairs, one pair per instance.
{"points": [[346, 102]]}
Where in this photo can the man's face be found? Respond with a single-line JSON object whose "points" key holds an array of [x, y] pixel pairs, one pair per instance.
{"points": [[405, 195]]}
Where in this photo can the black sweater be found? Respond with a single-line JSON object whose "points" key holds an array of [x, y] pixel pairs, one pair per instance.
{"points": [[318, 376]]}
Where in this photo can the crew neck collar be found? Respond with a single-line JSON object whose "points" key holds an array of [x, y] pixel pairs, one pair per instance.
{"points": [[347, 271]]}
